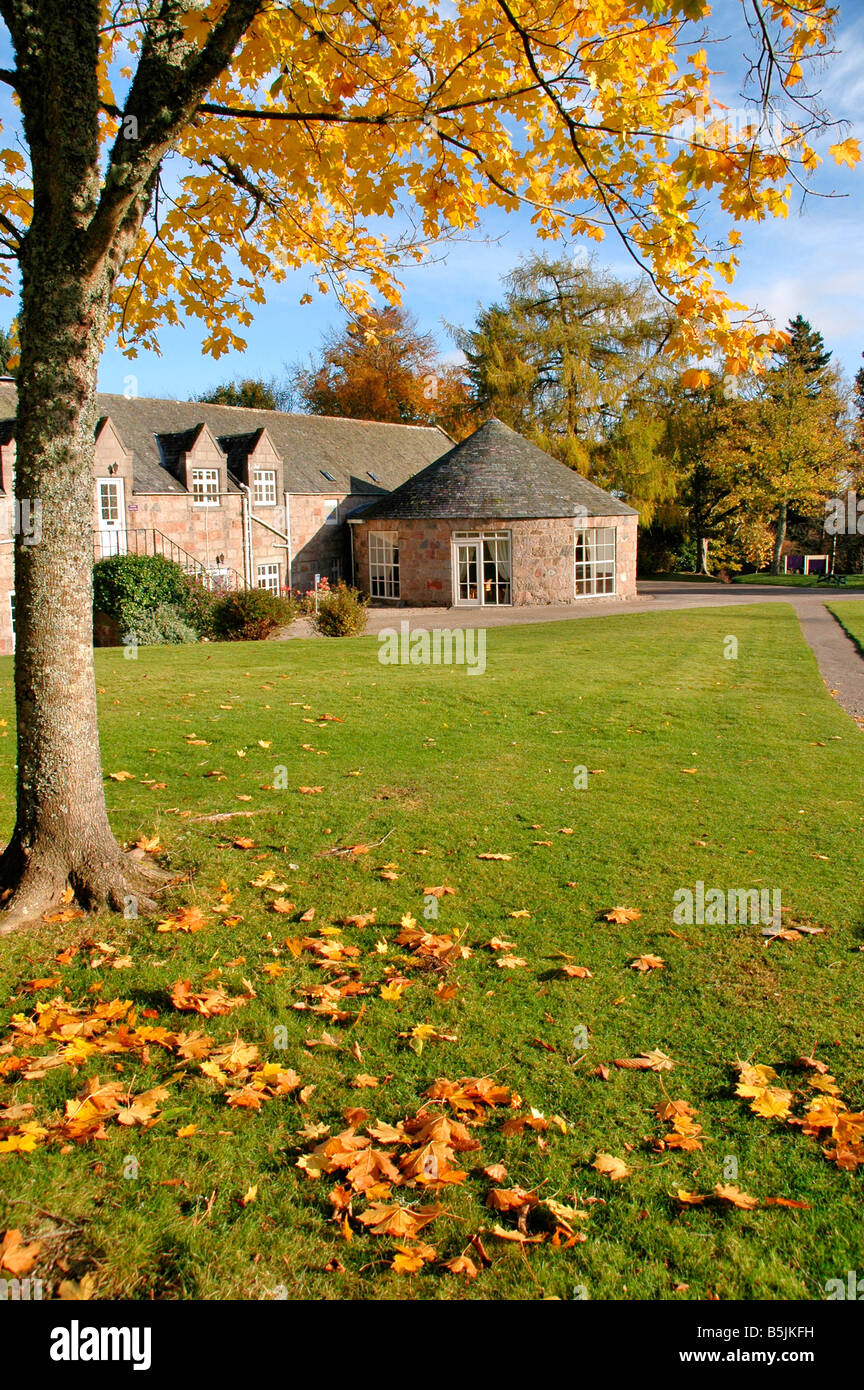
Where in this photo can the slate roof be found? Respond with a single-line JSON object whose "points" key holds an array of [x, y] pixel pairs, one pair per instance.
{"points": [[495, 473], [154, 432]]}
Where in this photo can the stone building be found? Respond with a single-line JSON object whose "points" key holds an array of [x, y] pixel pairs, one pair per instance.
{"points": [[262, 498], [238, 497], [495, 521]]}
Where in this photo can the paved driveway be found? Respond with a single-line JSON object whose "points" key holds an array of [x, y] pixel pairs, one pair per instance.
{"points": [[840, 662]]}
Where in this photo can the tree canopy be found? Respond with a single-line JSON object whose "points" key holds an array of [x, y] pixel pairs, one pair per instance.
{"points": [[383, 368]]}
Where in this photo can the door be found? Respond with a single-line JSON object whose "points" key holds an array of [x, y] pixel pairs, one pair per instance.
{"points": [[111, 503], [468, 555]]}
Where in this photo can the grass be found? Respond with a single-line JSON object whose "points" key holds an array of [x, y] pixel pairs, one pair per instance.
{"points": [[796, 581], [852, 619], [435, 759]]}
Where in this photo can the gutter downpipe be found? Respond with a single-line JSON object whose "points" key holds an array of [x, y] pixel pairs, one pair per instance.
{"points": [[247, 533]]}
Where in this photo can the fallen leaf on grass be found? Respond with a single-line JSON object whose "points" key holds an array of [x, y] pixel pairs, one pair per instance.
{"points": [[208, 1003], [394, 1220], [576, 972], [494, 856], [622, 915], [185, 919], [735, 1197], [646, 1061], [15, 1256], [645, 963], [77, 1290], [611, 1167]]}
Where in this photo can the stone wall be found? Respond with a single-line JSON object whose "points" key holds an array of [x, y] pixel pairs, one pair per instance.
{"points": [[542, 557]]}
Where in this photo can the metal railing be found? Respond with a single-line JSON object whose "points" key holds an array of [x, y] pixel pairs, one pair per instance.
{"points": [[146, 540]]}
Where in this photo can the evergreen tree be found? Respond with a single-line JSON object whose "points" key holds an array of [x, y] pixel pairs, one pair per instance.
{"points": [[573, 359], [252, 392]]}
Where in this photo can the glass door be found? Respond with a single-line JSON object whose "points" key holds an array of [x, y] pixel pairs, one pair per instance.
{"points": [[468, 568]]}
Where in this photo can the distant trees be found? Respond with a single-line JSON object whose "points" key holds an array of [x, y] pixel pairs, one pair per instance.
{"points": [[384, 368], [255, 393]]}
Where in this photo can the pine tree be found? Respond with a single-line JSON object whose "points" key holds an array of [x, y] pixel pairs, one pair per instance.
{"points": [[572, 358]]}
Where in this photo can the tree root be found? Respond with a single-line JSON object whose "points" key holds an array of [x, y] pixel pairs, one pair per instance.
{"points": [[37, 888]]}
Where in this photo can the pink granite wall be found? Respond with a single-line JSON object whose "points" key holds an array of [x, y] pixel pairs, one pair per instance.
{"points": [[542, 555]]}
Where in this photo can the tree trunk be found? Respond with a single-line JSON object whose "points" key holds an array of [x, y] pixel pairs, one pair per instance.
{"points": [[779, 538], [702, 564], [61, 835]]}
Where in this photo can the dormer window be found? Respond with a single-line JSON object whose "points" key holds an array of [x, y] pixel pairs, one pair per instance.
{"points": [[205, 487], [264, 487]]}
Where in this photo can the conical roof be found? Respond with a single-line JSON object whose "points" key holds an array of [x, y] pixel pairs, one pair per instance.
{"points": [[496, 473]]}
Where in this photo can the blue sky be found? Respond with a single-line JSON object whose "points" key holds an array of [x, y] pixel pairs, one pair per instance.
{"points": [[812, 263]]}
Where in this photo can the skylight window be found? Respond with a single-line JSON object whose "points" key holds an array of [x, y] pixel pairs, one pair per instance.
{"points": [[329, 476], [374, 476]]}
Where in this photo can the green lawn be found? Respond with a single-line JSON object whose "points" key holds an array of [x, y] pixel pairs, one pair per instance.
{"points": [[738, 773], [797, 581], [851, 617]]}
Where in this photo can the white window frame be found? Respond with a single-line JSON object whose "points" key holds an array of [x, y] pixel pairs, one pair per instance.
{"points": [[264, 487], [332, 517], [479, 539], [205, 487], [267, 576], [12, 613], [598, 565], [384, 564]]}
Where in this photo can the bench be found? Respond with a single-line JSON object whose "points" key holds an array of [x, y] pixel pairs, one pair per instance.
{"points": [[832, 581]]}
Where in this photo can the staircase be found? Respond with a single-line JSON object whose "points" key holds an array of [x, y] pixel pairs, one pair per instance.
{"points": [[146, 540]]}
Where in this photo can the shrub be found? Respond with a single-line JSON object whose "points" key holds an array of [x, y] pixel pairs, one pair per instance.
{"points": [[305, 598], [341, 612], [129, 587], [200, 606], [250, 615], [165, 626]]}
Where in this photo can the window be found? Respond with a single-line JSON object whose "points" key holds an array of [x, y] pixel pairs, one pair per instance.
{"points": [[374, 476], [329, 476], [264, 487], [12, 614], [109, 501], [205, 487], [331, 508], [268, 577], [383, 565], [595, 560]]}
